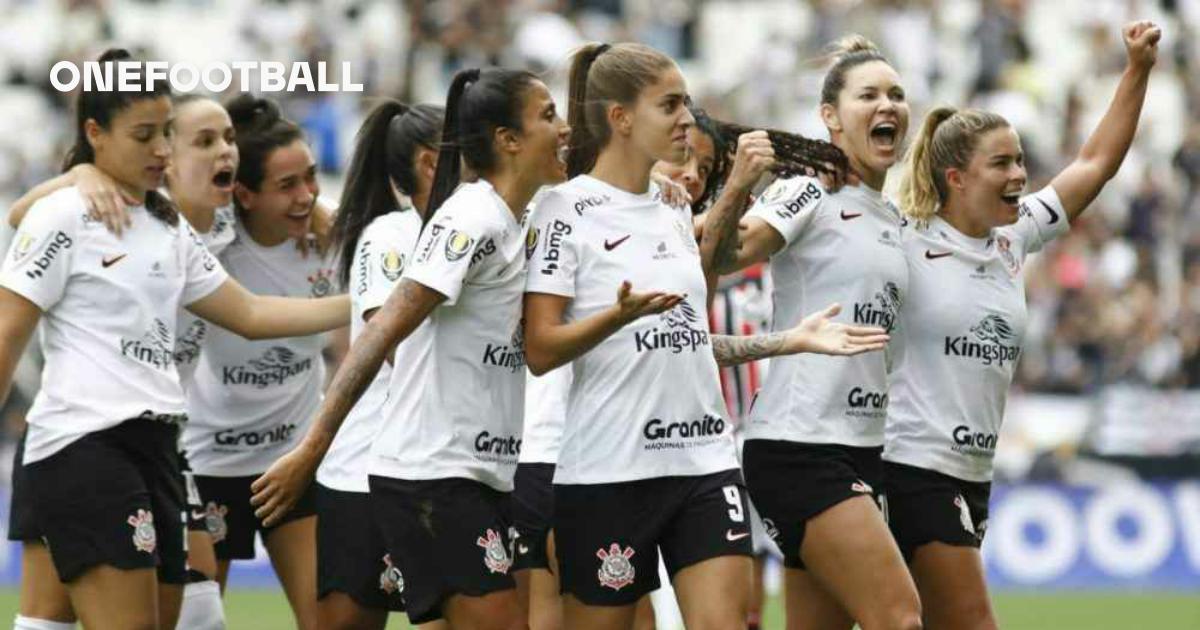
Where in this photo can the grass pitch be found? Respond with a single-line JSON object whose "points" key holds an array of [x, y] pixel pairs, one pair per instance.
{"points": [[266, 609]]}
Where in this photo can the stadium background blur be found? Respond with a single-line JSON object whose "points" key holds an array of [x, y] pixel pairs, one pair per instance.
{"points": [[1100, 455]]}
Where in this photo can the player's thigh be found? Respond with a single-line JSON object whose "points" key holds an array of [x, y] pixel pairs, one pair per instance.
{"points": [[105, 597], [809, 606], [43, 595], [953, 587]]}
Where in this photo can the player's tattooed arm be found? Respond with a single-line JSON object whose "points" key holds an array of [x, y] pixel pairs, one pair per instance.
{"points": [[734, 350], [278, 489], [817, 333], [719, 239]]}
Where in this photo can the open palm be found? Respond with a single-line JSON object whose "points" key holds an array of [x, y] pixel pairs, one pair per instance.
{"points": [[819, 334]]}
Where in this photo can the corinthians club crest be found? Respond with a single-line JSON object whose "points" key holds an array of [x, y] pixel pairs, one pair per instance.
{"points": [[615, 572], [214, 521], [144, 538], [390, 580], [495, 556]]}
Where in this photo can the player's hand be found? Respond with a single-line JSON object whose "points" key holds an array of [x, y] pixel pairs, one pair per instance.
{"points": [[673, 193], [755, 156], [819, 334], [105, 200], [276, 492], [1141, 43], [632, 305]]}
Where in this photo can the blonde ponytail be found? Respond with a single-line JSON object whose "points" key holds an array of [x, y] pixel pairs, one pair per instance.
{"points": [[947, 139]]}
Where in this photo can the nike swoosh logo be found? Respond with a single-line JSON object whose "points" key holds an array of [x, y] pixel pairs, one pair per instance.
{"points": [[1053, 214], [932, 256], [847, 217], [108, 262], [732, 537], [199, 516], [609, 246]]}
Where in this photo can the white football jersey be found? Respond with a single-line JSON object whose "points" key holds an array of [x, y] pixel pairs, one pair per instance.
{"points": [[545, 411], [383, 252], [645, 402], [842, 247], [252, 401], [458, 383], [109, 309], [191, 330], [959, 337]]}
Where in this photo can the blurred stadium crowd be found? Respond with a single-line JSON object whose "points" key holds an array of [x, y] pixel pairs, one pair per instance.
{"points": [[1115, 305]]}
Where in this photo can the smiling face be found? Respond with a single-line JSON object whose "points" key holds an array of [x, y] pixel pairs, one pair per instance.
{"points": [[989, 188], [135, 147], [658, 120], [282, 207], [870, 118], [693, 172], [542, 142], [204, 156]]}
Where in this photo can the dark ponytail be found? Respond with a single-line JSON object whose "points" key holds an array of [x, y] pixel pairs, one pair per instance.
{"points": [[794, 154], [479, 102], [385, 147], [583, 145], [104, 105], [260, 128]]}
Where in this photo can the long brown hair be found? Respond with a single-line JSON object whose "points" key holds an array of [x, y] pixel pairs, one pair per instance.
{"points": [[601, 75]]}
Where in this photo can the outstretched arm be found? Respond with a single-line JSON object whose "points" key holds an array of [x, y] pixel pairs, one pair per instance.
{"points": [[278, 489], [1101, 156], [815, 334], [550, 342], [252, 316]]}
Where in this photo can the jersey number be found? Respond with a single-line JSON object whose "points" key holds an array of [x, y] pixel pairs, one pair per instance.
{"points": [[734, 497]]}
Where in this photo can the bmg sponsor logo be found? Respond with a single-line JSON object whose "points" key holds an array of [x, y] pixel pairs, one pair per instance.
{"points": [[556, 231], [797, 205], [57, 243]]}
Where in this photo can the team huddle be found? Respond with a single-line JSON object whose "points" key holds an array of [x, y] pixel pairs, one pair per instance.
{"points": [[530, 416]]}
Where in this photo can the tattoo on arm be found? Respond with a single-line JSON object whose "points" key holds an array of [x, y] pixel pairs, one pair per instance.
{"points": [[408, 305], [734, 350], [720, 239]]}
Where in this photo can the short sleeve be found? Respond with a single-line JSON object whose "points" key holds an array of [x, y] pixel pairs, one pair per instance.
{"points": [[204, 274], [442, 259], [1042, 219], [382, 255], [38, 262], [552, 248], [788, 205]]}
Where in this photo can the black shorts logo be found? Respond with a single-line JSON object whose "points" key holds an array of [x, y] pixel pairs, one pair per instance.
{"points": [[616, 571], [390, 580], [144, 537], [495, 556]]}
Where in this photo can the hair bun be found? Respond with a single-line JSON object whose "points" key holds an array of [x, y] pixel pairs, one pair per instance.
{"points": [[850, 44], [115, 54], [249, 112]]}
